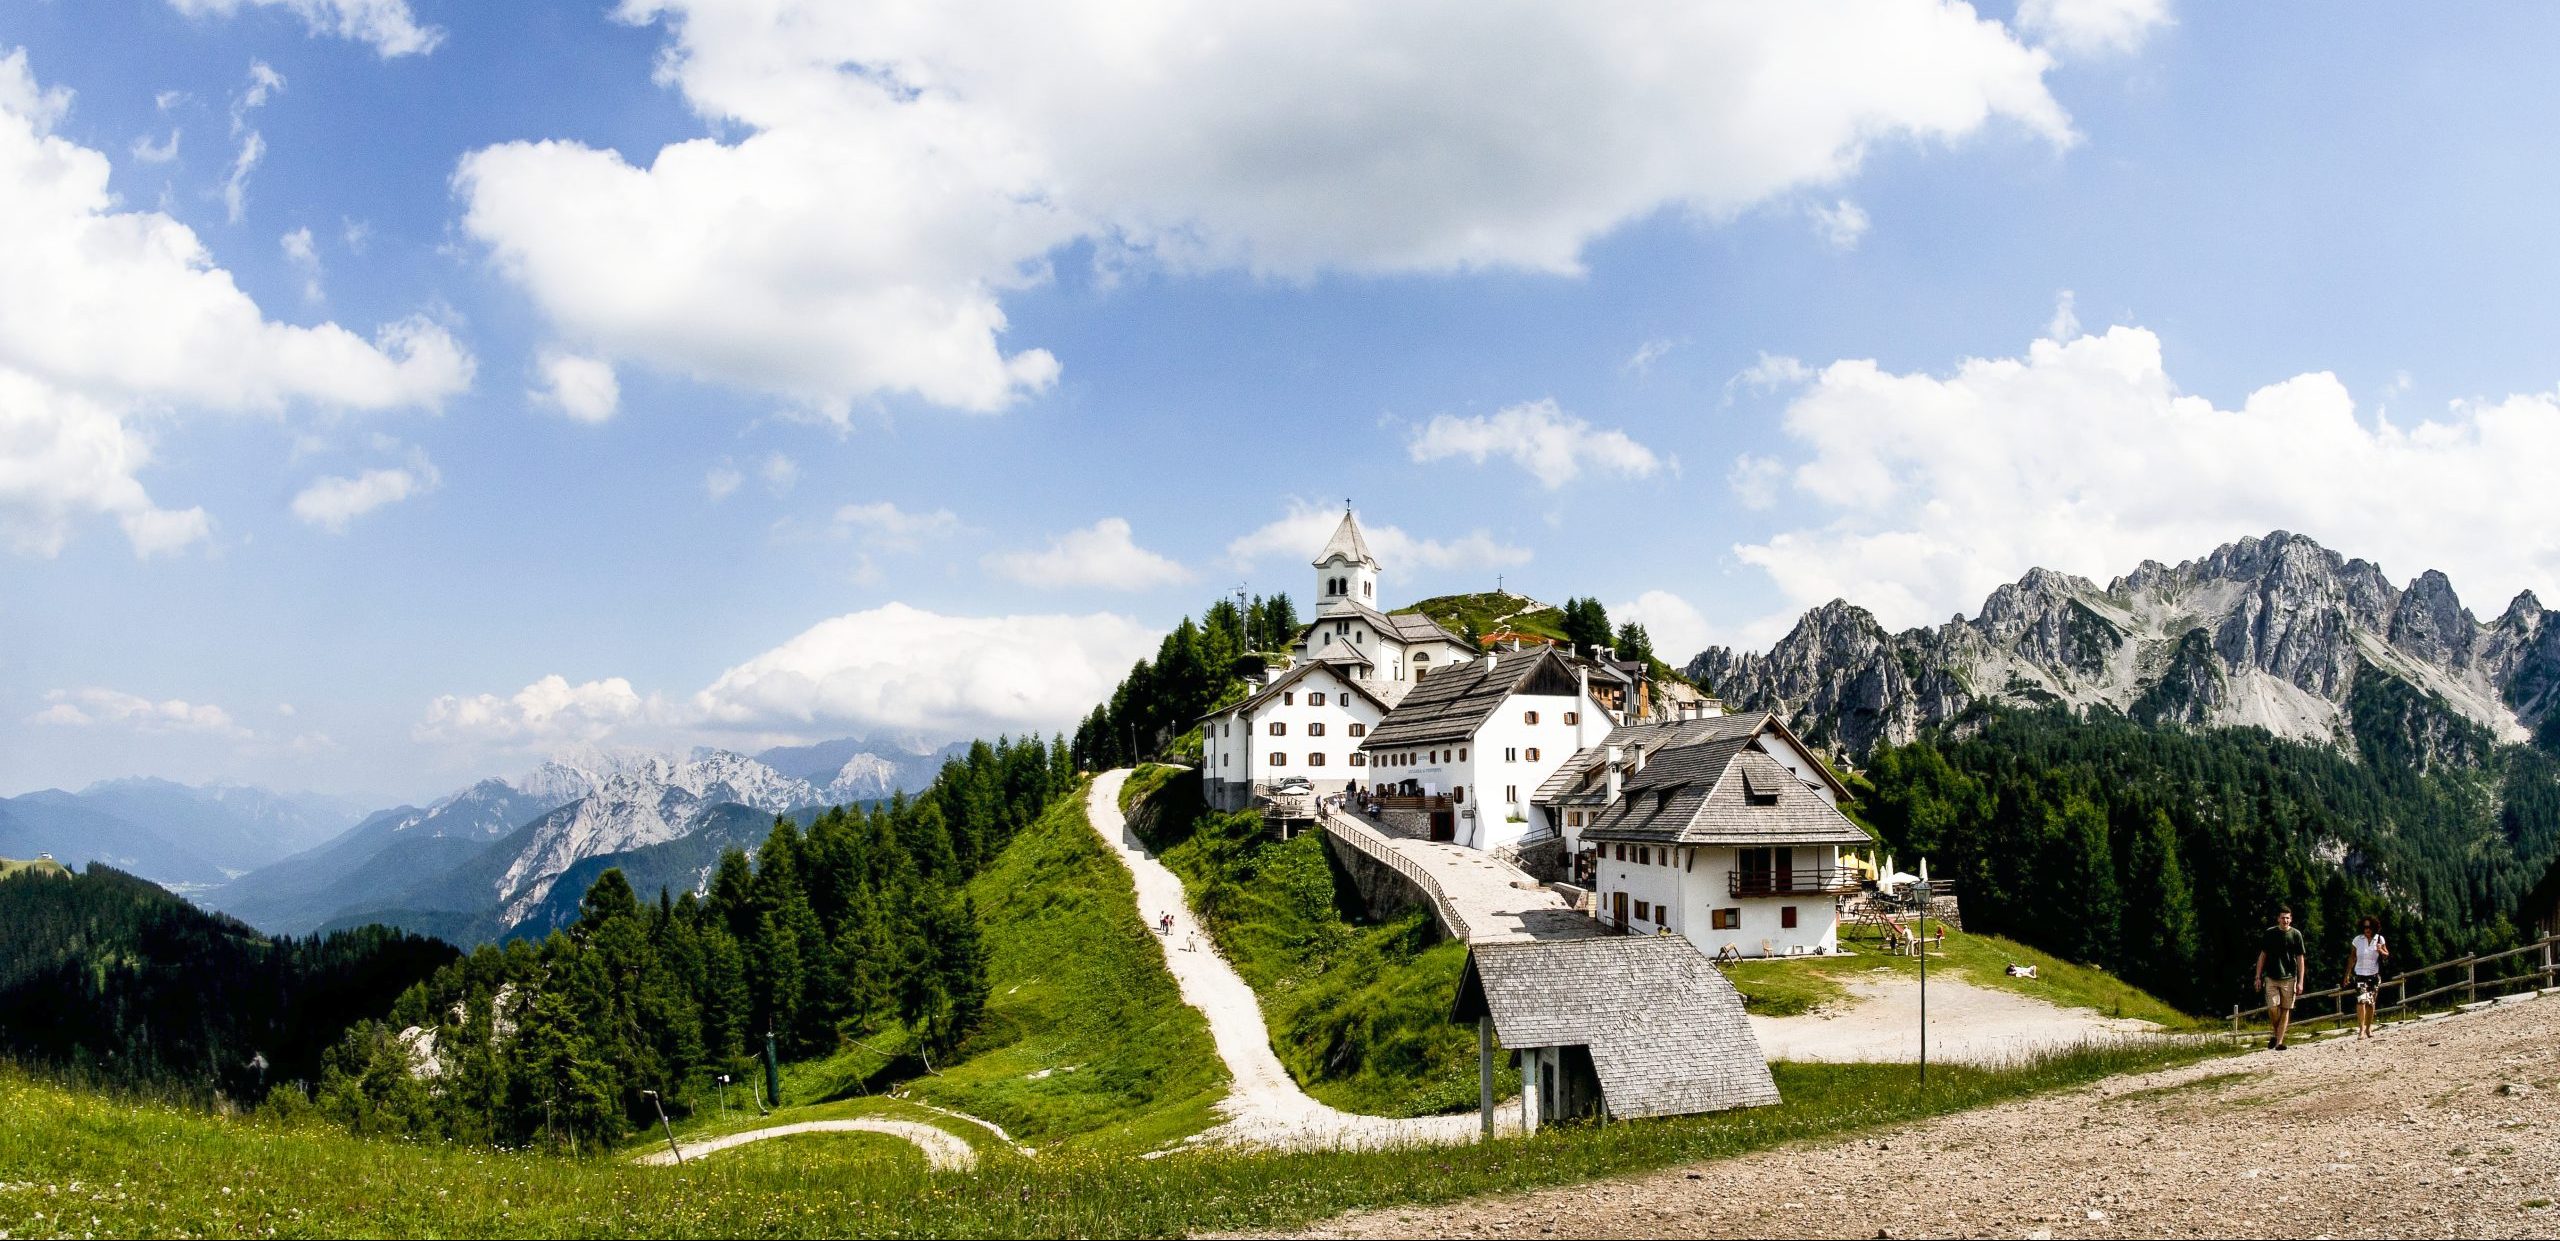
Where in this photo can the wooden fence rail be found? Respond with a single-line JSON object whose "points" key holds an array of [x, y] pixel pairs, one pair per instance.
{"points": [[2471, 984]]}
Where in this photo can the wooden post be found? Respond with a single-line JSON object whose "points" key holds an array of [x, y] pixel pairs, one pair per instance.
{"points": [[2235, 1021], [1529, 1102], [1484, 1072], [2471, 979]]}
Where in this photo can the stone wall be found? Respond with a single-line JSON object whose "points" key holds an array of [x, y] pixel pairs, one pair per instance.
{"points": [[1383, 892]]}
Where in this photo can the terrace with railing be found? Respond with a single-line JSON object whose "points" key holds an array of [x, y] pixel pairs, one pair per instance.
{"points": [[1800, 881]]}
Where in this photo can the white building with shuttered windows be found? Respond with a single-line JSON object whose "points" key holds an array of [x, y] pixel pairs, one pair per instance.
{"points": [[1307, 724]]}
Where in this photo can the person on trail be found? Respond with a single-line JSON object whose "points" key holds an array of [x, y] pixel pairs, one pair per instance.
{"points": [[1164, 925], [2365, 954], [2281, 965]]}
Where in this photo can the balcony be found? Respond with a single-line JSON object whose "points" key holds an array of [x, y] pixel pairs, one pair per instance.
{"points": [[1811, 881]]}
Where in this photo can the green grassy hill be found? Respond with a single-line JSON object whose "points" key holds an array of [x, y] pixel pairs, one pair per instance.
{"points": [[40, 866], [1492, 611]]}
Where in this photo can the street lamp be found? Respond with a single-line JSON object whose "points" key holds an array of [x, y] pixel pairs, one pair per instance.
{"points": [[1920, 944]]}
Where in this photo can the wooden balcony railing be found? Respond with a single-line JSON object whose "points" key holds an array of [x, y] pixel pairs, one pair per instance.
{"points": [[1809, 881]]}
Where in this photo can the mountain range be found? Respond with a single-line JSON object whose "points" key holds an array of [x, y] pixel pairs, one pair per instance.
{"points": [[185, 837], [2278, 632]]}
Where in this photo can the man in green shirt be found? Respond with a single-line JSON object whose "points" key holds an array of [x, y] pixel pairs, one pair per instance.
{"points": [[2282, 961]]}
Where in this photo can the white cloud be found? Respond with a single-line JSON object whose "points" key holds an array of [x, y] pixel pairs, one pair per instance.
{"points": [[1641, 361], [581, 387], [387, 25], [896, 171], [97, 707], [305, 258], [145, 151], [548, 712], [723, 479], [1770, 373], [2065, 323], [1840, 225], [886, 527], [1300, 535], [899, 669], [64, 457], [1101, 555], [780, 473], [1553, 446], [1755, 480], [1677, 629], [1924, 492], [331, 502], [2084, 27], [264, 82]]}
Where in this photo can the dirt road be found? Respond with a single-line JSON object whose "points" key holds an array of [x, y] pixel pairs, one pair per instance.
{"points": [[1967, 1023], [2435, 1129]]}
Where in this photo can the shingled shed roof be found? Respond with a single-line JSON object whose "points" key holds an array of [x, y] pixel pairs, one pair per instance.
{"points": [[1451, 702], [1665, 1030]]}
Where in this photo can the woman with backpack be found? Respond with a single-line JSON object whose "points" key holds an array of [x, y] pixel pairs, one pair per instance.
{"points": [[2365, 954]]}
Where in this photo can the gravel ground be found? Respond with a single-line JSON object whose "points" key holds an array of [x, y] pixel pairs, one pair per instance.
{"points": [[1968, 1023], [2446, 1128]]}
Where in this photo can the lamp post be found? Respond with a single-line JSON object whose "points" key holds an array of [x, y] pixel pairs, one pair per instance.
{"points": [[1920, 944]]}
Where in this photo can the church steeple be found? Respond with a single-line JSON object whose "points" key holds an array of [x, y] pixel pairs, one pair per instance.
{"points": [[1345, 569]]}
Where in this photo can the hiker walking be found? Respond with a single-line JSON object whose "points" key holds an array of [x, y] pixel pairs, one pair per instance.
{"points": [[1164, 924], [2281, 965], [2365, 954]]}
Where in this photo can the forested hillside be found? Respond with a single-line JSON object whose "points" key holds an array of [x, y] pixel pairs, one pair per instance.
{"points": [[108, 975], [2158, 852], [858, 927], [1198, 666]]}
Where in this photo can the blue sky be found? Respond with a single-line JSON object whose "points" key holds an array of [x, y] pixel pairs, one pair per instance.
{"points": [[1713, 316]]}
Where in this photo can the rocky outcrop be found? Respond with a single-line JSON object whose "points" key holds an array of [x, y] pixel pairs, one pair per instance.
{"points": [[2275, 632]]}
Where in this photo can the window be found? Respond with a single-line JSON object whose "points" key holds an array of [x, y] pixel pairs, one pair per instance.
{"points": [[1510, 754], [1315, 700], [1572, 717], [1458, 794], [1289, 698], [1726, 920], [1279, 729], [1358, 759], [1359, 730], [1462, 754], [1222, 759], [1622, 853], [1368, 589], [1279, 760], [1573, 818], [1644, 910], [1315, 760], [1511, 793], [1315, 730], [1662, 915], [1421, 657], [1533, 754], [1787, 916], [1528, 717], [1644, 856]]}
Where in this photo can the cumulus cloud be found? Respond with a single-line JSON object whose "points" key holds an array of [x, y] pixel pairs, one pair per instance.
{"points": [[2085, 27], [900, 669], [895, 171], [550, 711], [1300, 535], [884, 526], [583, 388], [107, 315], [331, 502], [1538, 436], [1923, 492], [1101, 555], [388, 25], [97, 707], [722, 480], [1675, 625]]}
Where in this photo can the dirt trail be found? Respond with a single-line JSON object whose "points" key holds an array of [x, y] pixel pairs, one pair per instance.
{"points": [[2438, 1128], [1264, 1106], [946, 1152]]}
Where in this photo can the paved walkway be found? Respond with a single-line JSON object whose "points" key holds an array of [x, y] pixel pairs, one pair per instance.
{"points": [[1264, 1106], [1497, 900], [944, 1151]]}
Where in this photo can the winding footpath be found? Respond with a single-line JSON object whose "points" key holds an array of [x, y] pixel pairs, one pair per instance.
{"points": [[946, 1152], [1264, 1106]]}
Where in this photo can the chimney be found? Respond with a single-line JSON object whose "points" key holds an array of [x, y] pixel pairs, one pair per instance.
{"points": [[1639, 758], [1492, 660], [1615, 776], [1582, 696]]}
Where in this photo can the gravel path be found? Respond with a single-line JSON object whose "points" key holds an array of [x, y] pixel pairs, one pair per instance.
{"points": [[1498, 900], [945, 1151], [1264, 1106], [1968, 1023], [2440, 1128]]}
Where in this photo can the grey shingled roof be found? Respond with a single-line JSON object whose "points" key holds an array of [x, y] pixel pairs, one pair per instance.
{"points": [[1403, 627], [1453, 701], [1723, 792], [1581, 780], [1348, 544], [1666, 1031]]}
